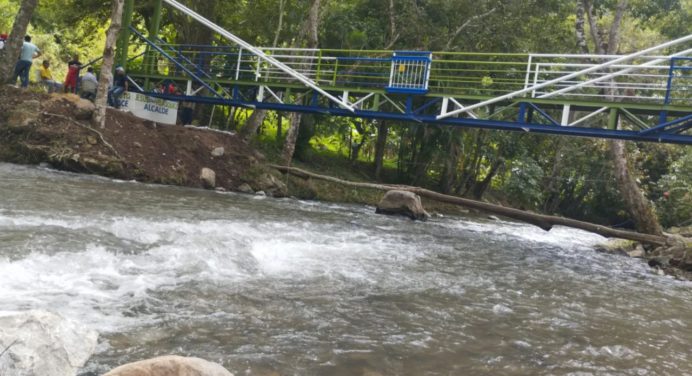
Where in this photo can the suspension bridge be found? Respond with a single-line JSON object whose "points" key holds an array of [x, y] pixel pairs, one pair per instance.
{"points": [[645, 96]]}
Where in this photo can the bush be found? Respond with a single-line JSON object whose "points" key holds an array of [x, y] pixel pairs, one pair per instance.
{"points": [[675, 206]]}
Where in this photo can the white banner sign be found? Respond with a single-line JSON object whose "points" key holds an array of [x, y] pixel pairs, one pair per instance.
{"points": [[149, 108]]}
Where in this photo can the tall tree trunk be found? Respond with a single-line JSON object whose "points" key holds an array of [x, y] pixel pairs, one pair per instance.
{"points": [[424, 156], [582, 45], [480, 187], [310, 32], [106, 77], [280, 25], [279, 126], [380, 147], [638, 206], [393, 34], [593, 28], [309, 35], [291, 137], [451, 162], [552, 184], [11, 52], [362, 130], [255, 120], [249, 130], [614, 34], [472, 165]]}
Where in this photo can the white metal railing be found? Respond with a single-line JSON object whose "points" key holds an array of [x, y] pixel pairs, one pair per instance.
{"points": [[644, 79], [579, 73], [261, 56], [642, 76]]}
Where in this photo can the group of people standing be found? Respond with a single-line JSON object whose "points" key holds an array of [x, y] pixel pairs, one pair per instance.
{"points": [[86, 85], [30, 51]]}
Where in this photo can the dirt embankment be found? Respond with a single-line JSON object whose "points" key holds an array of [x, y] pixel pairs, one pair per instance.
{"points": [[56, 129]]}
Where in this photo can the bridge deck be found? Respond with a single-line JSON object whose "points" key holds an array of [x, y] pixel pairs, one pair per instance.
{"points": [[577, 95]]}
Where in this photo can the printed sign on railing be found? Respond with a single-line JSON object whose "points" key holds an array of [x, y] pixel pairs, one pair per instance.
{"points": [[149, 108]]}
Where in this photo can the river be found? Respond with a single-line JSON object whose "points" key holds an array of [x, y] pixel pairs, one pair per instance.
{"points": [[288, 287]]}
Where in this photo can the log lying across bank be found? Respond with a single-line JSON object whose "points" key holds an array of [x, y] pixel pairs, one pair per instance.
{"points": [[546, 222]]}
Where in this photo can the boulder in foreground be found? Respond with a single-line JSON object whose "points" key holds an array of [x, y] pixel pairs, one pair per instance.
{"points": [[403, 203], [170, 366], [39, 343]]}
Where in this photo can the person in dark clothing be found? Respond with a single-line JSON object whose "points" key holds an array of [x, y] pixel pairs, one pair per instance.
{"points": [[119, 87]]}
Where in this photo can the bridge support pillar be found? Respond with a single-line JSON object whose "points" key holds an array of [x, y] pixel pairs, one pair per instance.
{"points": [[376, 103], [565, 114], [409, 104], [522, 112], [124, 38], [149, 58], [613, 119]]}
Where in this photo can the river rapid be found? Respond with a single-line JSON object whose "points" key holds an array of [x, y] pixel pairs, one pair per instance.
{"points": [[287, 287]]}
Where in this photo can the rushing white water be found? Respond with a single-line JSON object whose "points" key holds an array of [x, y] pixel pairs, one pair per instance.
{"points": [[304, 288]]}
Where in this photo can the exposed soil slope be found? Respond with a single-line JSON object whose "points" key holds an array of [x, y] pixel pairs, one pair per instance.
{"points": [[37, 128]]}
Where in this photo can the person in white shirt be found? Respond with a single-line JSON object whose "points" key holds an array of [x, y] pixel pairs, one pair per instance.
{"points": [[28, 54], [89, 84]]}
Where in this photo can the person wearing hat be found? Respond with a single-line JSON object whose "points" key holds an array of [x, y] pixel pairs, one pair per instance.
{"points": [[3, 39], [119, 87]]}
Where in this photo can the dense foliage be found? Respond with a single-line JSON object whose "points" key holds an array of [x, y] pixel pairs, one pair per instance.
{"points": [[566, 176]]}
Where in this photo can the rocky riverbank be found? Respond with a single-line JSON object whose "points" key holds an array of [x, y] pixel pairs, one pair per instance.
{"points": [[55, 129], [674, 258]]}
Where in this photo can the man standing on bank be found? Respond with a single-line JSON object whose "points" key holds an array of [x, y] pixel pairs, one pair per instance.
{"points": [[26, 58]]}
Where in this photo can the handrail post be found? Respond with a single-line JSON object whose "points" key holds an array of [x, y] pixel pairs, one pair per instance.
{"points": [[319, 67], [528, 71], [669, 86]]}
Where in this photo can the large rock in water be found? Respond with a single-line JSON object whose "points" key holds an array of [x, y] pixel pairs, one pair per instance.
{"points": [[269, 184], [170, 366], [208, 178], [41, 343], [403, 203]]}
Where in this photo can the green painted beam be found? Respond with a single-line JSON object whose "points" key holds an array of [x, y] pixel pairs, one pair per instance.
{"points": [[149, 58], [613, 119], [634, 119], [577, 105], [123, 43]]}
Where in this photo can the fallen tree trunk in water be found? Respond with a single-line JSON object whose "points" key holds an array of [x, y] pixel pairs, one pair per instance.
{"points": [[546, 222]]}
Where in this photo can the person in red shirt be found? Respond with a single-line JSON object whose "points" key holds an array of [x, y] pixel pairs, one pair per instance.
{"points": [[73, 67]]}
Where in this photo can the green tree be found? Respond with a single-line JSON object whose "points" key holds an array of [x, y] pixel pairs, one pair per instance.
{"points": [[14, 44]]}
